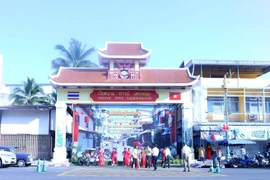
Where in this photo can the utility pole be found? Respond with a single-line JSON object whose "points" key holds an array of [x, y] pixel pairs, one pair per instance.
{"points": [[226, 113]]}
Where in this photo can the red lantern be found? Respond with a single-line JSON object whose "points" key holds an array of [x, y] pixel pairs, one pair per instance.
{"points": [[213, 137], [76, 113], [166, 112], [86, 119], [90, 112], [225, 127], [82, 112], [172, 114]]}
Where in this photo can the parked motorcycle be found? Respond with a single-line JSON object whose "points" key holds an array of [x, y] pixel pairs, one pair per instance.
{"points": [[237, 161], [261, 160], [83, 160], [93, 157], [267, 155]]}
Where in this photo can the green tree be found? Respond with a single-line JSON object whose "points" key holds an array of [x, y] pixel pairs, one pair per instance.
{"points": [[75, 56], [52, 98], [30, 93]]}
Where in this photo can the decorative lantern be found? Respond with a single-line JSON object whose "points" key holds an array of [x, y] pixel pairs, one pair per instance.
{"points": [[76, 113], [225, 127], [166, 112], [90, 112], [86, 119], [82, 112], [213, 137], [172, 114]]}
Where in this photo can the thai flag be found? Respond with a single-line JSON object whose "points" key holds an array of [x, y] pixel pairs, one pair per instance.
{"points": [[73, 95]]}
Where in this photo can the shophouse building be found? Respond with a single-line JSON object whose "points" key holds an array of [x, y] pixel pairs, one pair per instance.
{"points": [[248, 102]]}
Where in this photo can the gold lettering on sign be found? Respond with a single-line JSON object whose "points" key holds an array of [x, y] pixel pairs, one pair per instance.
{"points": [[119, 98], [104, 98], [101, 93], [124, 113], [139, 98], [142, 94], [123, 93]]}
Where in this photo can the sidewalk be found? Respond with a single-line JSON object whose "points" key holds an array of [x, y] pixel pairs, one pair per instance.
{"points": [[51, 164]]}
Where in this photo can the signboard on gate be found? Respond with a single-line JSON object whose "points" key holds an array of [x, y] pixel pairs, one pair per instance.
{"points": [[124, 96]]}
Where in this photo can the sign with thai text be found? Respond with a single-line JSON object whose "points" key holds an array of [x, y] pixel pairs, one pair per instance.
{"points": [[124, 95], [251, 134]]}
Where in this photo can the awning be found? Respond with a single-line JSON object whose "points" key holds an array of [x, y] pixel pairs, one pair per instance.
{"points": [[237, 142]]}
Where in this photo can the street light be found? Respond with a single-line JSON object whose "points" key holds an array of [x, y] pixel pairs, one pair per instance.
{"points": [[226, 106]]}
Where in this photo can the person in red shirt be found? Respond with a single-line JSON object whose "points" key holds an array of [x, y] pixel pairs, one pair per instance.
{"points": [[114, 157], [163, 157], [143, 158], [101, 161], [124, 156], [208, 151], [128, 157]]}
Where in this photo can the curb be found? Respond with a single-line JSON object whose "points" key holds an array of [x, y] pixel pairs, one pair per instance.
{"points": [[53, 165], [58, 165]]}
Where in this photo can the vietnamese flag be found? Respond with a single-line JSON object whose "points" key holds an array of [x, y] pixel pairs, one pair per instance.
{"points": [[175, 96]]}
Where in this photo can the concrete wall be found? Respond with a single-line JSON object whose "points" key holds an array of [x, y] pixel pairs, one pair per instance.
{"points": [[25, 122]]}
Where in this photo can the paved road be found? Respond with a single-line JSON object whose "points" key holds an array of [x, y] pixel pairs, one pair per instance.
{"points": [[113, 173], [142, 172]]}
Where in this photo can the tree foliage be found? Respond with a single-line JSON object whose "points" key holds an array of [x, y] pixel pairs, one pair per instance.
{"points": [[75, 56], [30, 93]]}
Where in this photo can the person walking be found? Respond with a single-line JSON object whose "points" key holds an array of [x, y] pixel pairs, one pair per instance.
{"points": [[155, 153], [128, 157], [114, 157], [101, 161], [148, 156], [135, 157], [163, 157], [201, 153], [167, 156], [124, 156], [185, 153], [143, 158]]}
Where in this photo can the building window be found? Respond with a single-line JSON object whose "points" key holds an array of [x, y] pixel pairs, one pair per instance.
{"points": [[253, 104], [267, 104], [216, 104]]}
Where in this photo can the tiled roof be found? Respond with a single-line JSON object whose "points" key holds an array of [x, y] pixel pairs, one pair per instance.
{"points": [[123, 49], [88, 76]]}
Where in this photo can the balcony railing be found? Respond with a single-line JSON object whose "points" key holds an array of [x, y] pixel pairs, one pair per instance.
{"points": [[117, 74], [240, 117]]}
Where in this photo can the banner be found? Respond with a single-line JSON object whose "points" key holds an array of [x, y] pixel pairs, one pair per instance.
{"points": [[251, 134]]}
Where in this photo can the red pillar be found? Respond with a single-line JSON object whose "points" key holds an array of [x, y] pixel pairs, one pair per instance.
{"points": [[75, 127], [173, 129]]}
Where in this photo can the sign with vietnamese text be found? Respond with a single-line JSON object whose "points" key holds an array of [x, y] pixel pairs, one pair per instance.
{"points": [[124, 95]]}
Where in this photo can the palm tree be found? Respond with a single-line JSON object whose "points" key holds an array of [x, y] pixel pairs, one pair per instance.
{"points": [[30, 93], [75, 56], [52, 98]]}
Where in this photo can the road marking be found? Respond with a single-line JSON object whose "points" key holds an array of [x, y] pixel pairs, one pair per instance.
{"points": [[142, 172]]}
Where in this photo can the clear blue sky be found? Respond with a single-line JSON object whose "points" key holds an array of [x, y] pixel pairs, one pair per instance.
{"points": [[176, 30]]}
